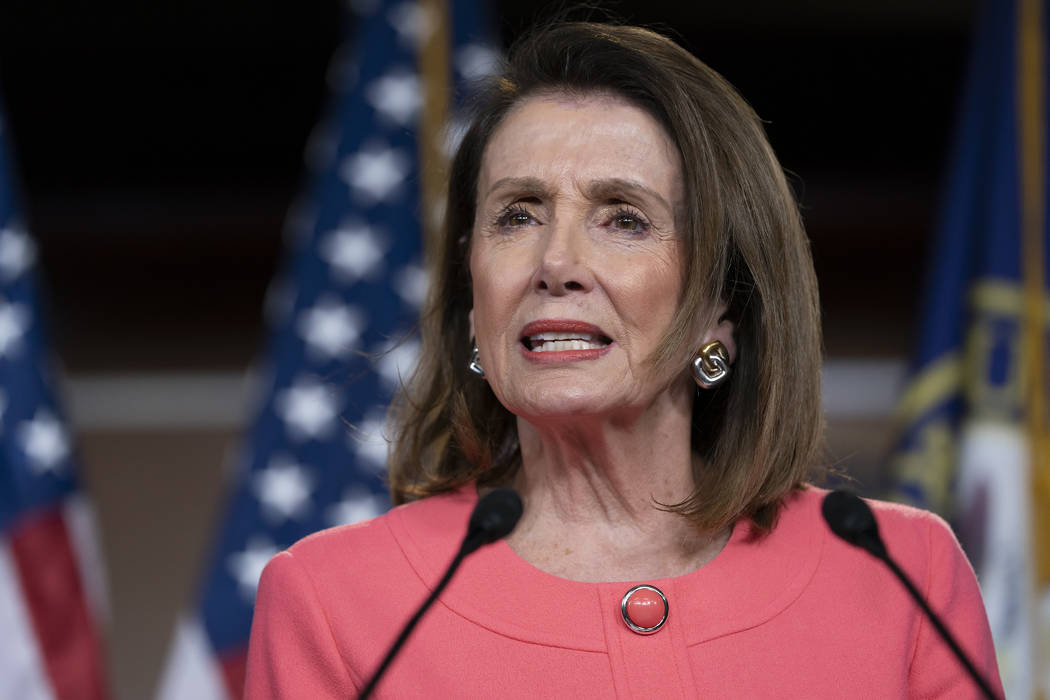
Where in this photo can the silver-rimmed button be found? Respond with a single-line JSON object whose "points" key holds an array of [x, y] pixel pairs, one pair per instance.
{"points": [[644, 609]]}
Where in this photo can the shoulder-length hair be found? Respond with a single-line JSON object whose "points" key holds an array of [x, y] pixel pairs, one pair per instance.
{"points": [[756, 436]]}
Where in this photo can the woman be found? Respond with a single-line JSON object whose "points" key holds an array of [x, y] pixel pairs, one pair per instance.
{"points": [[624, 327]]}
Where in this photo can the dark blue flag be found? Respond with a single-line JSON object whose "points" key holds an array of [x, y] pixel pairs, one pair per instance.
{"points": [[974, 442]]}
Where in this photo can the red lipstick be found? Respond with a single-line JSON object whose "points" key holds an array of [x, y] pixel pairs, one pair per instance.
{"points": [[563, 326], [557, 325]]}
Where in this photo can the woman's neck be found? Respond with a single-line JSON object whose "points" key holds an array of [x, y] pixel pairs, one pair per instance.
{"points": [[592, 491]]}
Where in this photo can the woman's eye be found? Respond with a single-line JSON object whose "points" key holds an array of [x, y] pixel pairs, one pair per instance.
{"points": [[629, 221], [514, 217]]}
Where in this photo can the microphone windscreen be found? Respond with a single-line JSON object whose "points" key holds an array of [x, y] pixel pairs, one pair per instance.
{"points": [[851, 518], [495, 515]]}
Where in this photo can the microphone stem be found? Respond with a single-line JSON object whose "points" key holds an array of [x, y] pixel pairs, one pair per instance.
{"points": [[941, 629], [411, 625]]}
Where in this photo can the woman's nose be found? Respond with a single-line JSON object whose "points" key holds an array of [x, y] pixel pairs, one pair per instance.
{"points": [[564, 265]]}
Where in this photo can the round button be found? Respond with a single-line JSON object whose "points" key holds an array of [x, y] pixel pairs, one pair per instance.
{"points": [[644, 609]]}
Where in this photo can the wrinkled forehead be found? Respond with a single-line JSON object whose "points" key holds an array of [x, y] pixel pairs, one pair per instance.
{"points": [[579, 139]]}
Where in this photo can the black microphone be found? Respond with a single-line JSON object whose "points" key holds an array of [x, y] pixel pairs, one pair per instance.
{"points": [[851, 518], [495, 515], [493, 518]]}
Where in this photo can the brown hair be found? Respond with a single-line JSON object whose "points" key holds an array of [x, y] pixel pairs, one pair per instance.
{"points": [[757, 435]]}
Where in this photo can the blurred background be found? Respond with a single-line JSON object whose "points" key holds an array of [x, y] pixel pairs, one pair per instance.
{"points": [[160, 145]]}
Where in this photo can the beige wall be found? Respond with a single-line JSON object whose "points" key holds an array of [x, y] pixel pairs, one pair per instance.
{"points": [[156, 494]]}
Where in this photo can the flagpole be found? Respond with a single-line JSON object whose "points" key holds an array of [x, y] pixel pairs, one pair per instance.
{"points": [[1032, 149], [434, 69]]}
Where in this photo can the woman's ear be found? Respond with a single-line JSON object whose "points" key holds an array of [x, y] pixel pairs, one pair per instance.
{"points": [[722, 331], [470, 318]]}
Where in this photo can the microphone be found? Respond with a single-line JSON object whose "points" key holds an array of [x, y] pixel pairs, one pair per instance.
{"points": [[851, 519], [495, 515], [493, 518]]}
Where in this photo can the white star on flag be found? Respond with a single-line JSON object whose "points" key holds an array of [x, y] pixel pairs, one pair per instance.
{"points": [[331, 329], [17, 252], [247, 566], [411, 283], [354, 251], [368, 440], [44, 441], [14, 321], [397, 96], [475, 61], [375, 173], [397, 362], [307, 408], [412, 22], [283, 489], [357, 504]]}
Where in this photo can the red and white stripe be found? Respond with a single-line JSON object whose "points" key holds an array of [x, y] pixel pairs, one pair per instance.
{"points": [[49, 645]]}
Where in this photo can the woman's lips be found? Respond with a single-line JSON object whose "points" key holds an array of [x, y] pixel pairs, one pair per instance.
{"points": [[563, 340]]}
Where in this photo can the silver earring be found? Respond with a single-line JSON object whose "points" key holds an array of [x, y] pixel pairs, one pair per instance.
{"points": [[711, 366], [475, 363]]}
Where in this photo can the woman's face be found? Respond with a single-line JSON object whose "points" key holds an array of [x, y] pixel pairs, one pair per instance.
{"points": [[576, 256]]}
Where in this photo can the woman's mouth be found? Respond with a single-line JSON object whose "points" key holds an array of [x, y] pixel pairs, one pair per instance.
{"points": [[554, 341]]}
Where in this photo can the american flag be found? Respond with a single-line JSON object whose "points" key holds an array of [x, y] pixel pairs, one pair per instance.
{"points": [[50, 575], [340, 316]]}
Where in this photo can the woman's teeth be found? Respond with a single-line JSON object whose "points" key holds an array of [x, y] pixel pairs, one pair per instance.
{"points": [[558, 342]]}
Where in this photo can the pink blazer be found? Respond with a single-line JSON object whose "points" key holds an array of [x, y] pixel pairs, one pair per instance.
{"points": [[797, 614]]}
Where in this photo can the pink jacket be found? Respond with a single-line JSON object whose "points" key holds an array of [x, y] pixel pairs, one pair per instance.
{"points": [[797, 614]]}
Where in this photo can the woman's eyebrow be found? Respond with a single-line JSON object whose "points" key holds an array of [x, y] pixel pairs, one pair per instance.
{"points": [[532, 186], [604, 189], [617, 188]]}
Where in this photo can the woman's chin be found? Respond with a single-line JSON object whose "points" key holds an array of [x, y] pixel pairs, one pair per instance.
{"points": [[572, 407]]}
